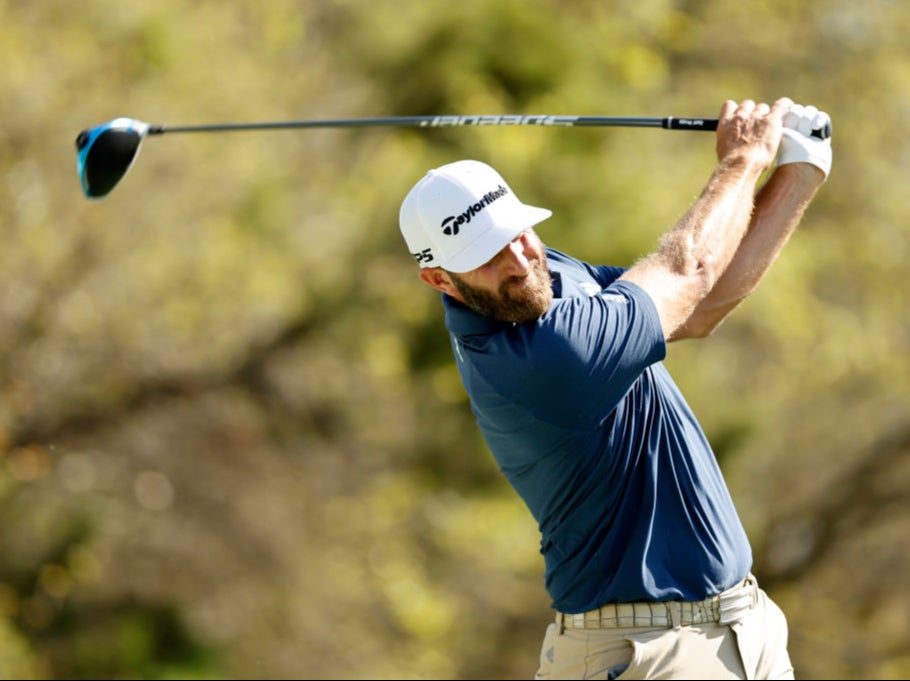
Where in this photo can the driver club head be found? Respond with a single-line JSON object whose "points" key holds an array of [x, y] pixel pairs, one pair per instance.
{"points": [[106, 152]]}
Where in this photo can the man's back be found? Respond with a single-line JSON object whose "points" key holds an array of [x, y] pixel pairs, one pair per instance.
{"points": [[590, 429]]}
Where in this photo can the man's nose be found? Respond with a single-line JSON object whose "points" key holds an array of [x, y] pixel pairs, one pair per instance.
{"points": [[515, 257]]}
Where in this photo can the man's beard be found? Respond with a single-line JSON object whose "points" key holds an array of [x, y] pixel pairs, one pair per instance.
{"points": [[512, 304]]}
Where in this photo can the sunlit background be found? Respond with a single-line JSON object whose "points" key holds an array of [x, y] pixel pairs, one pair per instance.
{"points": [[234, 443]]}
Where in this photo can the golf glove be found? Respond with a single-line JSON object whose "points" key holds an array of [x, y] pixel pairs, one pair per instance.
{"points": [[798, 145]]}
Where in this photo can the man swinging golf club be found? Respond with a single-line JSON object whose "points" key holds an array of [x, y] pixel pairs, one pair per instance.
{"points": [[648, 566]]}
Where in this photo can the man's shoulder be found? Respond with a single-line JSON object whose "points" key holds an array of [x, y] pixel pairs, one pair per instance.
{"points": [[577, 270], [561, 258]]}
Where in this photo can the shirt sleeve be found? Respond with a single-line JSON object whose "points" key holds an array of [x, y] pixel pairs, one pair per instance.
{"points": [[590, 351]]}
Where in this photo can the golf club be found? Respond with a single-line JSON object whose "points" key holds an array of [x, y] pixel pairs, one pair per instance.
{"points": [[106, 152]]}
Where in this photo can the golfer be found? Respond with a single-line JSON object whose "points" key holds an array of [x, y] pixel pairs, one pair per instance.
{"points": [[648, 566]]}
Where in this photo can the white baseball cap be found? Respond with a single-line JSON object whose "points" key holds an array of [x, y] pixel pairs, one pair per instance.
{"points": [[460, 215]]}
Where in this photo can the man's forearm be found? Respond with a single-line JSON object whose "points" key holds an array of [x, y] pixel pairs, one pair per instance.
{"points": [[779, 208], [692, 257]]}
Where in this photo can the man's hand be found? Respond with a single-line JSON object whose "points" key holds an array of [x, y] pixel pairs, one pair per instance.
{"points": [[798, 144], [751, 131]]}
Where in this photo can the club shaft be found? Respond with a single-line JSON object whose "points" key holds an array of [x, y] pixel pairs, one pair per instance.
{"points": [[668, 123]]}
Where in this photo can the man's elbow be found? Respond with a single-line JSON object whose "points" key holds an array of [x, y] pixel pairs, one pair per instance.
{"points": [[692, 331], [703, 322]]}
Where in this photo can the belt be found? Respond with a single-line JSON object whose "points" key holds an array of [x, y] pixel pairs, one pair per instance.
{"points": [[725, 608]]}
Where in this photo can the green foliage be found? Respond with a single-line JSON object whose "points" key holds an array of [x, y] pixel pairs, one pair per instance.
{"points": [[234, 444]]}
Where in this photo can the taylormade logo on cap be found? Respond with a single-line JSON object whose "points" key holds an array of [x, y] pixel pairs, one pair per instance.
{"points": [[450, 224], [460, 215]]}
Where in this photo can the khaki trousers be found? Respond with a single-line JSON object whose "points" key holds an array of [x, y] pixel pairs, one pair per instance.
{"points": [[752, 647]]}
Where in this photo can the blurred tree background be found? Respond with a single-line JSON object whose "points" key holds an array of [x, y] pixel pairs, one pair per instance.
{"points": [[234, 443]]}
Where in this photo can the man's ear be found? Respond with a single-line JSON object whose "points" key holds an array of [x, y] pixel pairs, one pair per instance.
{"points": [[439, 279]]}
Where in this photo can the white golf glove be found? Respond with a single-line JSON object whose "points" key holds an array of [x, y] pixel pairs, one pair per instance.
{"points": [[798, 145]]}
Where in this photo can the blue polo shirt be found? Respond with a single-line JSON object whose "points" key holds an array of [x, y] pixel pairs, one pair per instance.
{"points": [[591, 431]]}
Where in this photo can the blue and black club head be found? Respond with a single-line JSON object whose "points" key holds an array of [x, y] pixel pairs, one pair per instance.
{"points": [[106, 152]]}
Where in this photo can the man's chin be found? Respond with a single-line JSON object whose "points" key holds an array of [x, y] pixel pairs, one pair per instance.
{"points": [[528, 309]]}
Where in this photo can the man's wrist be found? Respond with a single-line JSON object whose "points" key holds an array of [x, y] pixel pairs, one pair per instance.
{"points": [[803, 172]]}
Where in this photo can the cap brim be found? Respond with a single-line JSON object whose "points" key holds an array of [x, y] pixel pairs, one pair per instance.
{"points": [[485, 247]]}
